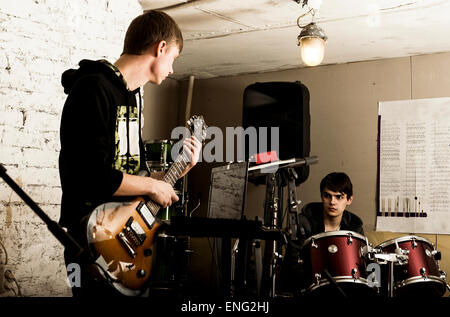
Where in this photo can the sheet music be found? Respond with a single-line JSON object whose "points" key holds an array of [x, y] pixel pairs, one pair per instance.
{"points": [[414, 156], [227, 191]]}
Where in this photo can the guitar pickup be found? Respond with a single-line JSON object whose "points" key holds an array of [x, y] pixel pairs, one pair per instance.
{"points": [[146, 214], [134, 232], [127, 244]]}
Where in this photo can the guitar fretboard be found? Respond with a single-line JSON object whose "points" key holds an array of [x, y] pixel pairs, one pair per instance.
{"points": [[171, 177]]}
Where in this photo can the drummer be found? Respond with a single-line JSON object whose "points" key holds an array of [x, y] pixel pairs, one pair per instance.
{"points": [[336, 191]]}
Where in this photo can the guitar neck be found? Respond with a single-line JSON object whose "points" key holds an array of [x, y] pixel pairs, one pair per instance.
{"points": [[176, 169], [171, 177]]}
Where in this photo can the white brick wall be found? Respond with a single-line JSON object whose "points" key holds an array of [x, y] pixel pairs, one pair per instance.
{"points": [[39, 39]]}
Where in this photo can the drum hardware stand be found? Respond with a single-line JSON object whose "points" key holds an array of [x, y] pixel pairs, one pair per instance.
{"points": [[293, 204], [234, 253], [272, 207], [333, 282], [256, 245], [271, 256], [400, 256]]}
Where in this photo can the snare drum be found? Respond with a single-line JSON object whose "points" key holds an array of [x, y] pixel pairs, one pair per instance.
{"points": [[421, 276], [340, 254], [158, 154]]}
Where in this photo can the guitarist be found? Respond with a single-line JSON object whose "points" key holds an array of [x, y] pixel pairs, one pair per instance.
{"points": [[102, 153]]}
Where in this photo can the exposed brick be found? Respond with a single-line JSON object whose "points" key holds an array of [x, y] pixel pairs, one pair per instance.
{"points": [[11, 117], [40, 39]]}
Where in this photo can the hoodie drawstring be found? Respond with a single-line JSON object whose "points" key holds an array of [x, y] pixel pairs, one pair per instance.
{"points": [[128, 137]]}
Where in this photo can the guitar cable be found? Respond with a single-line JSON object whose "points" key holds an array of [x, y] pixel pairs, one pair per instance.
{"points": [[108, 277], [199, 197]]}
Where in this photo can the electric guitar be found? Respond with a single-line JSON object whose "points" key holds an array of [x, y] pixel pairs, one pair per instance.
{"points": [[120, 235]]}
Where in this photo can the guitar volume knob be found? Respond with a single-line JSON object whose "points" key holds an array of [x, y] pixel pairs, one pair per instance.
{"points": [[148, 252], [141, 273]]}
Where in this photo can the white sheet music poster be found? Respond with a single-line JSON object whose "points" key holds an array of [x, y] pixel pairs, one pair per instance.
{"points": [[414, 166]]}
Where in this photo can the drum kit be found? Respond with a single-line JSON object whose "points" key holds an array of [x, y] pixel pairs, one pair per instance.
{"points": [[345, 263]]}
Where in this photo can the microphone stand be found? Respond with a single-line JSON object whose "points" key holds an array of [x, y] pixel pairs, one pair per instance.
{"points": [[60, 234]]}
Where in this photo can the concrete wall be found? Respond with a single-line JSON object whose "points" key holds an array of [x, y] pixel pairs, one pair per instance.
{"points": [[38, 41], [160, 110]]}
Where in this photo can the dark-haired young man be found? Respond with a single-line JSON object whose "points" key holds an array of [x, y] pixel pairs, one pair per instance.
{"points": [[102, 153], [336, 191]]}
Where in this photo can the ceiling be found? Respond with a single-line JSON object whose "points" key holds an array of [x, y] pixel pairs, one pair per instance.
{"points": [[231, 37]]}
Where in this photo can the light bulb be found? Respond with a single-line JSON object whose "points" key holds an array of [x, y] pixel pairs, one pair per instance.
{"points": [[312, 43], [312, 50], [315, 4]]}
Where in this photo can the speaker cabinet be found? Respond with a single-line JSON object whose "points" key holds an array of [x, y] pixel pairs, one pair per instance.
{"points": [[284, 105]]}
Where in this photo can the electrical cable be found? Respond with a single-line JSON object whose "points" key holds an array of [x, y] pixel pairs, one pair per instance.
{"points": [[6, 253], [9, 276], [195, 208]]}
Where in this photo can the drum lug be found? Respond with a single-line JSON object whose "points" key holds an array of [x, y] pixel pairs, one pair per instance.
{"points": [[349, 239], [318, 276], [423, 272], [313, 244], [354, 272], [436, 254], [413, 243]]}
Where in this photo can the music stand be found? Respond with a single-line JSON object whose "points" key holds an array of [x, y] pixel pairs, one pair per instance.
{"points": [[226, 201]]}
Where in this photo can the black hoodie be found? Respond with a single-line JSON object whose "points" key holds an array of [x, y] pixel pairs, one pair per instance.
{"points": [[310, 223], [100, 138]]}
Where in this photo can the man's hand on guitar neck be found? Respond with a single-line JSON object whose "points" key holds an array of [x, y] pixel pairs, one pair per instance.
{"points": [[159, 191], [192, 148], [162, 193], [156, 189]]}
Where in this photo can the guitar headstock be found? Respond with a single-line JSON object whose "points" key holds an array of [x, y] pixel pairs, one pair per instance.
{"points": [[198, 127]]}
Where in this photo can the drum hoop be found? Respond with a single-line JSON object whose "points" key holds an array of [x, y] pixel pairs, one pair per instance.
{"points": [[338, 279], [419, 279], [403, 239], [158, 141], [165, 235], [339, 233]]}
